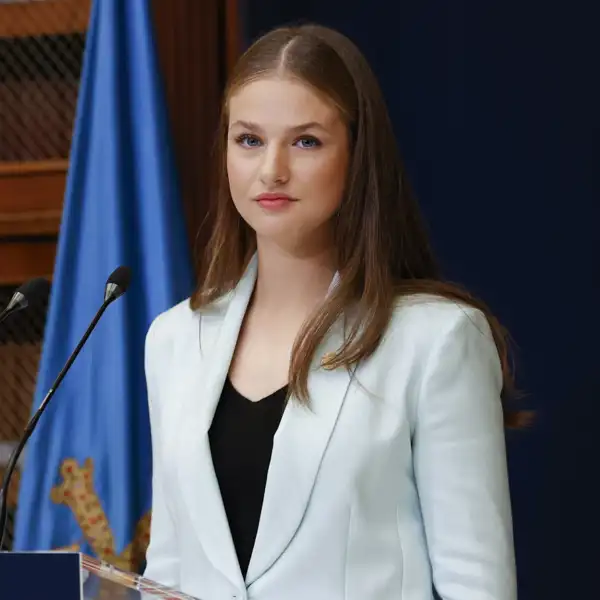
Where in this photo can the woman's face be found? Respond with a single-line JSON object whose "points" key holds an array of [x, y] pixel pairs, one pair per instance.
{"points": [[287, 160]]}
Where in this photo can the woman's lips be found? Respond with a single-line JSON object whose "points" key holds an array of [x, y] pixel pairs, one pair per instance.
{"points": [[274, 201]]}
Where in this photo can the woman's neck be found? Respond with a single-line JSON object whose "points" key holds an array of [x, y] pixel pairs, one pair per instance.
{"points": [[289, 281]]}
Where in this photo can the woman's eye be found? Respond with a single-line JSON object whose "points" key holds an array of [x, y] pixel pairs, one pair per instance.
{"points": [[248, 141], [308, 142]]}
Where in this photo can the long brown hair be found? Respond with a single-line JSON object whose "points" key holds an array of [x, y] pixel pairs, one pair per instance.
{"points": [[382, 244]]}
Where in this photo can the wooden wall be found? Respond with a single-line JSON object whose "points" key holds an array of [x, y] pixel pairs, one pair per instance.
{"points": [[31, 197], [36, 108], [197, 42]]}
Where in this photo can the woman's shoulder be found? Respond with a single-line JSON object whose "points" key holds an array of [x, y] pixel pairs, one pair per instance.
{"points": [[434, 332], [170, 321], [181, 319], [430, 318], [431, 306]]}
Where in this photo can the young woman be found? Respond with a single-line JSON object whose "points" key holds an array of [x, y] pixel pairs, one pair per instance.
{"points": [[327, 414]]}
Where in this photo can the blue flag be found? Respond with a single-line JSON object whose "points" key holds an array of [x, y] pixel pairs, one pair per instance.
{"points": [[86, 482]]}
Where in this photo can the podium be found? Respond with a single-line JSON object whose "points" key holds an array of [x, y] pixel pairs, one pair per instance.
{"points": [[73, 576]]}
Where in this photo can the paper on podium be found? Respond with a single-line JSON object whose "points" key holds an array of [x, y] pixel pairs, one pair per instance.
{"points": [[74, 576]]}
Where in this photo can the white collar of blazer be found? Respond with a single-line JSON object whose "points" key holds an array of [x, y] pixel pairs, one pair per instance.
{"points": [[298, 445]]}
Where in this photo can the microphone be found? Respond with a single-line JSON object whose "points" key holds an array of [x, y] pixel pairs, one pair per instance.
{"points": [[116, 286], [29, 293]]}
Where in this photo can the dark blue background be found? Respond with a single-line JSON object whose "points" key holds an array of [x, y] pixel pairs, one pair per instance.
{"points": [[495, 105]]}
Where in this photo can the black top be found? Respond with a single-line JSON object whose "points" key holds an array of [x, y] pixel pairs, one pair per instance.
{"points": [[241, 441]]}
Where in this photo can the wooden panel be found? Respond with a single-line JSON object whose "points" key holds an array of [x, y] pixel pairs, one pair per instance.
{"points": [[31, 197], [191, 48], [20, 260], [39, 222], [50, 17], [233, 32], [37, 116], [19, 365], [198, 43]]}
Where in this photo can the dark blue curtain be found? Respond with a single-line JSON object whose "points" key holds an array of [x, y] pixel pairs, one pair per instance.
{"points": [[495, 106]]}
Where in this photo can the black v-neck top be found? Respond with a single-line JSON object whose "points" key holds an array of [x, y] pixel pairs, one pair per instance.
{"points": [[241, 442]]}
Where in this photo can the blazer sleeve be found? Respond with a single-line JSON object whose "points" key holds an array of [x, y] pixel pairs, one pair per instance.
{"points": [[460, 465], [162, 560]]}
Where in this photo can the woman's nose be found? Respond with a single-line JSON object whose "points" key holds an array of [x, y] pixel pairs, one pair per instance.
{"points": [[275, 168]]}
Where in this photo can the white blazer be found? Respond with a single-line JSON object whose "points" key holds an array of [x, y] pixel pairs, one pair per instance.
{"points": [[394, 481]]}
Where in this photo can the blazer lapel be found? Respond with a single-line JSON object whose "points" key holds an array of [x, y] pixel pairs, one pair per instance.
{"points": [[210, 359], [298, 449]]}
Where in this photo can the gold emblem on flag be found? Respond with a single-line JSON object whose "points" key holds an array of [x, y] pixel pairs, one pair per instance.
{"points": [[78, 493]]}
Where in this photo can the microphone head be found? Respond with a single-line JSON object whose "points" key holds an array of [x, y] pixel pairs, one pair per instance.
{"points": [[117, 283], [30, 292]]}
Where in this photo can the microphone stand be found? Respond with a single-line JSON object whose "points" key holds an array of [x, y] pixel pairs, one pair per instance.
{"points": [[12, 463]]}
